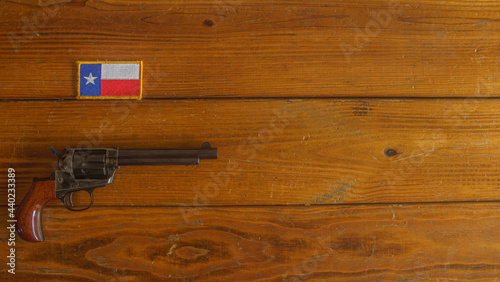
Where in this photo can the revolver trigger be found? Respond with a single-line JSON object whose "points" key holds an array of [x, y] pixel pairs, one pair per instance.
{"points": [[66, 198], [71, 199], [91, 193]]}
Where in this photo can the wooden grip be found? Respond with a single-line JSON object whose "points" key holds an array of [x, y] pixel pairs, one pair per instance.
{"points": [[29, 213]]}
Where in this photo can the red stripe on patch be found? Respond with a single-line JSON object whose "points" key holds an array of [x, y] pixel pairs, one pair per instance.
{"points": [[126, 87]]}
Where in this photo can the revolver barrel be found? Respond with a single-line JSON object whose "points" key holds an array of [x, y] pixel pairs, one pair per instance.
{"points": [[166, 156]]}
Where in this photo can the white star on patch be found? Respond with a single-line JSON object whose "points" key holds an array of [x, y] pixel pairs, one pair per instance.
{"points": [[90, 79]]}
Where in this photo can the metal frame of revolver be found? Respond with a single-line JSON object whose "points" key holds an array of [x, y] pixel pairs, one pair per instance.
{"points": [[66, 180]]}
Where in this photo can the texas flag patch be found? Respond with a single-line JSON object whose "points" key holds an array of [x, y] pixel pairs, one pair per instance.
{"points": [[110, 80]]}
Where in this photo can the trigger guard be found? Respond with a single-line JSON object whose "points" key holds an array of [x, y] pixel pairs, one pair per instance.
{"points": [[70, 196]]}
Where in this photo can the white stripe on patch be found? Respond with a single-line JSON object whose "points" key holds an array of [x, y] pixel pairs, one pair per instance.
{"points": [[120, 71]]}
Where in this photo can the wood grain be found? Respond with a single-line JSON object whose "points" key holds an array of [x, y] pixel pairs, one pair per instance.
{"points": [[29, 223], [233, 48], [364, 148], [272, 151], [328, 243]]}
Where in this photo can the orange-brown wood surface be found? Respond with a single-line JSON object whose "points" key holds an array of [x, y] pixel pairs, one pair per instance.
{"points": [[358, 141], [362, 243], [234, 48], [273, 151]]}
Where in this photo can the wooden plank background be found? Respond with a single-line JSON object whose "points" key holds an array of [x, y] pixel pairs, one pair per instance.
{"points": [[357, 140], [365, 243], [274, 151], [235, 48]]}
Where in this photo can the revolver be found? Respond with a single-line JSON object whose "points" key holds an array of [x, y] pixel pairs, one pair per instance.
{"points": [[88, 169]]}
